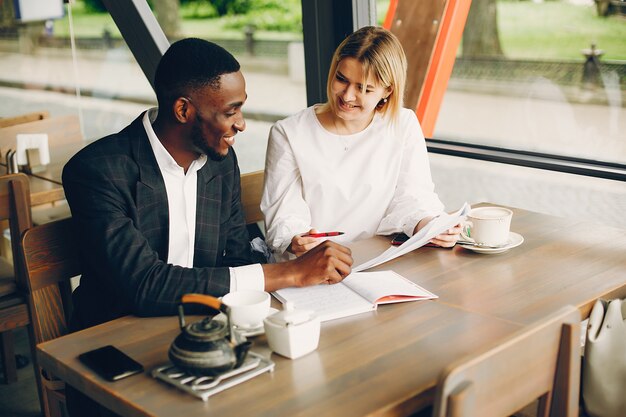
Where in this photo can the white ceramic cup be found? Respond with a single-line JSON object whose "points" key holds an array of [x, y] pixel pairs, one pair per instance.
{"points": [[488, 225], [248, 308]]}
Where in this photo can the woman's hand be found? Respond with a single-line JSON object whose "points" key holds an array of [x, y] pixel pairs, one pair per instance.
{"points": [[301, 244], [448, 238]]}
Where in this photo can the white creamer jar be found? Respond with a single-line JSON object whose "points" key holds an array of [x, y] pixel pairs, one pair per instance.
{"points": [[292, 333]]}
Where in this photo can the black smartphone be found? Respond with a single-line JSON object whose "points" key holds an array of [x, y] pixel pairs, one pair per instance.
{"points": [[110, 363], [399, 239]]}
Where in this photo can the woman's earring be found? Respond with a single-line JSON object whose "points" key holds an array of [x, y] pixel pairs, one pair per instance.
{"points": [[382, 102]]}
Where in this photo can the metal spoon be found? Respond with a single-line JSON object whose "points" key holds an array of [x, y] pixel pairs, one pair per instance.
{"points": [[482, 245]]}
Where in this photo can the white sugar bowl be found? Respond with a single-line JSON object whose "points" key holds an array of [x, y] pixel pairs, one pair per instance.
{"points": [[292, 333]]}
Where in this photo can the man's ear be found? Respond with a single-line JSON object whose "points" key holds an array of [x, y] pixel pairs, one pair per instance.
{"points": [[182, 110]]}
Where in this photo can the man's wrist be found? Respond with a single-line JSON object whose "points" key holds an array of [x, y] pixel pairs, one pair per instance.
{"points": [[279, 275]]}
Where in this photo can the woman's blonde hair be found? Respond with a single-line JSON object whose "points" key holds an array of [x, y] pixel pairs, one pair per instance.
{"points": [[382, 56]]}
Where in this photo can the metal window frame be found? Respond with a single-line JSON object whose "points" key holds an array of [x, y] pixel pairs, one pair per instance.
{"points": [[558, 163], [325, 23], [141, 31]]}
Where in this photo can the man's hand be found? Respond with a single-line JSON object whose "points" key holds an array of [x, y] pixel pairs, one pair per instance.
{"points": [[328, 263]]}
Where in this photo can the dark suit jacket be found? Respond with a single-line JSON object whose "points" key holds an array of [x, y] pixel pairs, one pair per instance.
{"points": [[119, 205]]}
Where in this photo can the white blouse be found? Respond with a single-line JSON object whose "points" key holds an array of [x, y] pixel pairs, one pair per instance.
{"points": [[376, 181]]}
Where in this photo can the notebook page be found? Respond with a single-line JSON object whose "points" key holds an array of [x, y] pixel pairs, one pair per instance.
{"points": [[384, 287], [327, 301]]}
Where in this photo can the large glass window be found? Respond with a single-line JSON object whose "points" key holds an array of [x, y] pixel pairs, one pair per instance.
{"points": [[97, 80], [544, 76], [100, 81], [266, 38]]}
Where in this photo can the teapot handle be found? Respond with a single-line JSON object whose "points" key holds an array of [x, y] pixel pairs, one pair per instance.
{"points": [[203, 299]]}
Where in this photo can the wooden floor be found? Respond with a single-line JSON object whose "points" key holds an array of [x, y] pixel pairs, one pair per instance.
{"points": [[20, 399]]}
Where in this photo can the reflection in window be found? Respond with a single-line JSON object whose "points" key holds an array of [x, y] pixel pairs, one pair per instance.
{"points": [[545, 76]]}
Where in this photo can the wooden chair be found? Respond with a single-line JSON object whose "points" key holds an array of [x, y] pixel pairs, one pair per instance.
{"points": [[251, 193], [14, 209], [49, 255], [542, 361], [23, 118]]}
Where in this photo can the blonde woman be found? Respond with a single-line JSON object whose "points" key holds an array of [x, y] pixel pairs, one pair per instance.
{"points": [[357, 163]]}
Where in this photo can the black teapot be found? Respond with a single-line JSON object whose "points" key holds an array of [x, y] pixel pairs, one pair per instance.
{"points": [[207, 347]]}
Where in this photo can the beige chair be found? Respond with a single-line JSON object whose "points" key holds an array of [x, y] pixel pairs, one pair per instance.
{"points": [[49, 255], [251, 192], [14, 209], [541, 361]]}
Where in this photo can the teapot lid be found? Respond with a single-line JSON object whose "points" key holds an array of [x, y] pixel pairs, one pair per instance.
{"points": [[290, 316], [207, 330]]}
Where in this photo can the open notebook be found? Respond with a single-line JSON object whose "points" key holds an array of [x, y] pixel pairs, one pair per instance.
{"points": [[358, 293]]}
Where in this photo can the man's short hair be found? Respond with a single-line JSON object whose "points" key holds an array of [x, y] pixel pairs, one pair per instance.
{"points": [[191, 64]]}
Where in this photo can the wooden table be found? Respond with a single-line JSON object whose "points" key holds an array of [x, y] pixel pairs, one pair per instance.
{"points": [[386, 362], [562, 261], [46, 185], [59, 155]]}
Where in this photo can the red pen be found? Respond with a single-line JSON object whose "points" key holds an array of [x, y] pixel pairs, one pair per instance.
{"points": [[323, 234]]}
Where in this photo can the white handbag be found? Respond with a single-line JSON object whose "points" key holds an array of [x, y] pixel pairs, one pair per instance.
{"points": [[604, 363]]}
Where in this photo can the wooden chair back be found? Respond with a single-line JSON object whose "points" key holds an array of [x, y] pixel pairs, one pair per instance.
{"points": [[61, 130], [251, 192], [542, 361], [49, 254], [14, 210], [50, 257], [23, 118]]}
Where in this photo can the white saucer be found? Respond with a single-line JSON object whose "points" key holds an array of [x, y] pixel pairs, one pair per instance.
{"points": [[248, 331], [515, 239]]}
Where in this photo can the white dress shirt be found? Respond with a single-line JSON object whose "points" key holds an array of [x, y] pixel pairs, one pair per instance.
{"points": [[182, 190], [376, 181]]}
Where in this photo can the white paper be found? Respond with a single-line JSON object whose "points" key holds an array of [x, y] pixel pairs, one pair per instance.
{"points": [[435, 227], [329, 302], [383, 287], [32, 141]]}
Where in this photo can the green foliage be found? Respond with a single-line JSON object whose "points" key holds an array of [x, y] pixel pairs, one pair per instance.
{"points": [[197, 9], [224, 7], [557, 30], [94, 6], [270, 15]]}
